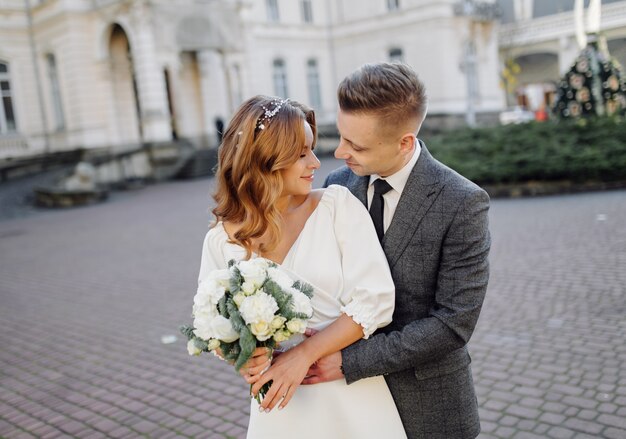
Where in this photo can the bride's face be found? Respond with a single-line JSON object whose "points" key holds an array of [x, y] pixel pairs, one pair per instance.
{"points": [[298, 178]]}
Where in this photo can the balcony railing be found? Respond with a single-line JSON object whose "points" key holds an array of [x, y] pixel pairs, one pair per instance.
{"points": [[551, 27]]}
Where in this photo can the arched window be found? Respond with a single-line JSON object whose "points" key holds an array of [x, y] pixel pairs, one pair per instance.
{"points": [[7, 115], [307, 11], [280, 78], [313, 84], [396, 55]]}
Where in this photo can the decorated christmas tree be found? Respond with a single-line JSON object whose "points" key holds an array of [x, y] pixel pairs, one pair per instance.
{"points": [[593, 86]]}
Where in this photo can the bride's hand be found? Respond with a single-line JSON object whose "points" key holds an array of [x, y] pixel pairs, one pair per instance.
{"points": [[286, 373], [259, 361]]}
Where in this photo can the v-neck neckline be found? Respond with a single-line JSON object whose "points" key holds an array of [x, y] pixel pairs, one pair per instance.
{"points": [[293, 245]]}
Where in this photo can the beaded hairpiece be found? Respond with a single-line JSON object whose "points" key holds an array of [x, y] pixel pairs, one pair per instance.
{"points": [[268, 114]]}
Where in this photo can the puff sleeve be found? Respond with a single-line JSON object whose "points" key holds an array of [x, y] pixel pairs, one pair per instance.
{"points": [[212, 253], [368, 294]]}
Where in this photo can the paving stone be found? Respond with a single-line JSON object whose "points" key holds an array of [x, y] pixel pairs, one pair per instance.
{"points": [[560, 433], [583, 426], [555, 407], [614, 433], [584, 403], [523, 412], [542, 428], [508, 421], [607, 407], [531, 402], [505, 432], [487, 426], [613, 421], [552, 418]]}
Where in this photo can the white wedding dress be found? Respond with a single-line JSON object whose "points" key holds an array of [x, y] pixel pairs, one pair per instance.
{"points": [[338, 253]]}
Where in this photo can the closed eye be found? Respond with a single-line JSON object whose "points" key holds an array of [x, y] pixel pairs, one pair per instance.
{"points": [[353, 146]]}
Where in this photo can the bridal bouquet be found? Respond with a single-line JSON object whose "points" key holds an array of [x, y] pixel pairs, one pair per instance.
{"points": [[248, 305]]}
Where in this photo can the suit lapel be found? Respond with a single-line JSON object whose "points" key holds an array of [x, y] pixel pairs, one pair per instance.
{"points": [[418, 195]]}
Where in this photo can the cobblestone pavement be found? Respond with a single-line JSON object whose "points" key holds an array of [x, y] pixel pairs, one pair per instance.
{"points": [[87, 294]]}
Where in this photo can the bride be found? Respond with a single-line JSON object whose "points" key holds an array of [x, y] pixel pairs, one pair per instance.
{"points": [[265, 206]]}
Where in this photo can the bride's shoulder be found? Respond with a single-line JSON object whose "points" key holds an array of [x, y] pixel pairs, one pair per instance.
{"points": [[335, 191], [339, 198], [216, 236]]}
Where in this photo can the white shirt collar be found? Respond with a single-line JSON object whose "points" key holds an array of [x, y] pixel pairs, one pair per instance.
{"points": [[398, 180]]}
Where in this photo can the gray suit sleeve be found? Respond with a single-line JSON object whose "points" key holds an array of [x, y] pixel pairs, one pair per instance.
{"points": [[460, 291]]}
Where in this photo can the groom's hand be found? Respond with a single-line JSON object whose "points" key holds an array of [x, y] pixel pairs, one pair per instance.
{"points": [[325, 369]]}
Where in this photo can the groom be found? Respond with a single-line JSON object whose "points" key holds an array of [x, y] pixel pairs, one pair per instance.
{"points": [[434, 230]]}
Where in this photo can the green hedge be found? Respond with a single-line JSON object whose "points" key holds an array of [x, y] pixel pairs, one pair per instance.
{"points": [[577, 151]]}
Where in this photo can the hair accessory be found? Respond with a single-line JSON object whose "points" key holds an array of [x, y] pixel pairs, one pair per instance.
{"points": [[268, 114]]}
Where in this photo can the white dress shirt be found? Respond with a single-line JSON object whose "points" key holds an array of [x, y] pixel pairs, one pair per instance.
{"points": [[397, 182]]}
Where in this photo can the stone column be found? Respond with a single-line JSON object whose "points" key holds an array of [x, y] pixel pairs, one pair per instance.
{"points": [[155, 118], [214, 88]]}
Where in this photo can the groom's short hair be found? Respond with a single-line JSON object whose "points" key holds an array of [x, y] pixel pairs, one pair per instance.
{"points": [[391, 91]]}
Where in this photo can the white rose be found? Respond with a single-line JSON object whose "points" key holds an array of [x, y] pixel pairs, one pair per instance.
{"points": [[204, 312], [257, 308], [278, 322], [261, 330], [238, 299], [301, 302], [296, 326], [203, 330], [280, 336], [214, 344], [209, 290], [279, 276], [193, 348], [202, 298], [253, 271], [223, 329], [222, 277], [203, 316], [248, 288]]}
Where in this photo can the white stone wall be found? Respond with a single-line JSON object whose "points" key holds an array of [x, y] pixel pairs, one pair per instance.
{"points": [[220, 52]]}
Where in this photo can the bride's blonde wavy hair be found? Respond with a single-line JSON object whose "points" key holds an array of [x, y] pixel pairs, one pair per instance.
{"points": [[249, 181]]}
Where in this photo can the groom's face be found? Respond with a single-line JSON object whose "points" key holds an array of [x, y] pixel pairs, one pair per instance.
{"points": [[366, 146]]}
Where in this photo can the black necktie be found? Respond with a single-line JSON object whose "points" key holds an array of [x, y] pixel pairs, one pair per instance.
{"points": [[381, 187]]}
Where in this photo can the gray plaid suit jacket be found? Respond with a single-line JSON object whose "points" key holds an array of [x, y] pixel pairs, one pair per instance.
{"points": [[437, 247]]}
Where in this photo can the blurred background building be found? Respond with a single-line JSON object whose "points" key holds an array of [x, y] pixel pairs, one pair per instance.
{"points": [[119, 74], [538, 40]]}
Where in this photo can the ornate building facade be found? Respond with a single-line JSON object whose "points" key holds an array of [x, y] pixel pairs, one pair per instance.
{"points": [[120, 73]]}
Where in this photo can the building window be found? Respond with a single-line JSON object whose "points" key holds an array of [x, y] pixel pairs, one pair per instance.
{"points": [[280, 78], [272, 10], [393, 5], [7, 115], [396, 55], [307, 11], [313, 83], [55, 91]]}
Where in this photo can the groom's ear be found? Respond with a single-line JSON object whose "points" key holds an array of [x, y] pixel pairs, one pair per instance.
{"points": [[407, 143]]}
